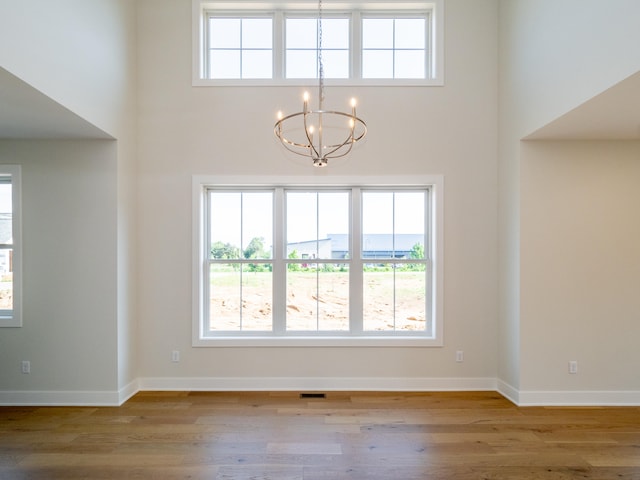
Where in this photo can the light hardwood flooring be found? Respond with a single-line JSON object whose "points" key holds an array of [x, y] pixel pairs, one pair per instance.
{"points": [[280, 436]]}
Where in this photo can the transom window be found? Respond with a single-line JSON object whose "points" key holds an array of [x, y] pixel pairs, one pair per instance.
{"points": [[369, 46], [321, 262]]}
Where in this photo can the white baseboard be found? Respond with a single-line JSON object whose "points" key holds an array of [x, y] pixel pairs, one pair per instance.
{"points": [[508, 391], [599, 398], [60, 398], [316, 384], [521, 398], [128, 391], [569, 398]]}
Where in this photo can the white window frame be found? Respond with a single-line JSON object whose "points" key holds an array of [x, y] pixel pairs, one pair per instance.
{"points": [[13, 317], [435, 9], [200, 184]]}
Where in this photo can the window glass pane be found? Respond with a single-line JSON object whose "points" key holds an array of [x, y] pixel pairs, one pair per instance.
{"points": [[257, 286], [240, 297], [409, 64], [241, 224], [335, 33], [301, 33], [410, 33], [224, 63], [377, 297], [317, 223], [394, 297], [317, 297], [409, 224], [256, 64], [377, 213], [377, 64], [333, 223], [224, 297], [226, 220], [301, 64], [256, 33], [410, 297], [336, 63], [6, 212], [393, 224], [6, 279], [257, 224], [302, 224], [377, 33], [224, 33]]}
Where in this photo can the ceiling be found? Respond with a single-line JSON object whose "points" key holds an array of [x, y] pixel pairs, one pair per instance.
{"points": [[27, 113]]}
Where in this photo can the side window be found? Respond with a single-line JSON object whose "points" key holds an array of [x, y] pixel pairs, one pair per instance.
{"points": [[10, 253]]}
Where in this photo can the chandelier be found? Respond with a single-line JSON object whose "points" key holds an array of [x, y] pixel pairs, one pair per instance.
{"points": [[322, 134]]}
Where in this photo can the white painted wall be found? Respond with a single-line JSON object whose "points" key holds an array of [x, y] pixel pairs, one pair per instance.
{"points": [[554, 56], [74, 51], [448, 130], [69, 274], [82, 55], [561, 53], [580, 265]]}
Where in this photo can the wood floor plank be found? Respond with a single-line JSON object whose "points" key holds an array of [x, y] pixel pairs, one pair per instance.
{"points": [[347, 435]]}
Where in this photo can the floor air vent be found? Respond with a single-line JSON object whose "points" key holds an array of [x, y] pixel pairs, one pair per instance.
{"points": [[313, 395]]}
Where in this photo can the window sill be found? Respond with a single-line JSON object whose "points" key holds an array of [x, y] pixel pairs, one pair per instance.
{"points": [[306, 82], [6, 321], [300, 341]]}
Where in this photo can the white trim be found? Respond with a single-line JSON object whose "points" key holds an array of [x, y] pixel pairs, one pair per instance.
{"points": [[600, 398], [69, 398], [603, 398], [568, 398], [507, 391], [128, 391], [412, 384], [60, 398], [436, 183]]}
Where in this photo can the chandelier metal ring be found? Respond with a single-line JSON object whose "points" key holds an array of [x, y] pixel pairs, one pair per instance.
{"points": [[320, 152]]}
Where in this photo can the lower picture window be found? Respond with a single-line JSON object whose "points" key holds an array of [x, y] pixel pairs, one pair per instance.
{"points": [[322, 262]]}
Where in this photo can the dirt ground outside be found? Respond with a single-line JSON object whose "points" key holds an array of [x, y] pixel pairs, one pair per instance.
{"points": [[319, 301]]}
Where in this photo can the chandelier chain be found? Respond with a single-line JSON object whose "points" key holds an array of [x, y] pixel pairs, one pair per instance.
{"points": [[320, 62]]}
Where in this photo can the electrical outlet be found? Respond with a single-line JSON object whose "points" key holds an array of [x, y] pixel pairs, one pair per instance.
{"points": [[175, 356], [459, 356], [26, 366], [573, 366]]}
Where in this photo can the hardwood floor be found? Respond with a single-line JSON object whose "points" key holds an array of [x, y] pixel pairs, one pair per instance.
{"points": [[280, 436]]}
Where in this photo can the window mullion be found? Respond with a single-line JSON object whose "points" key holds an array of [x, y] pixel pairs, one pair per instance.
{"points": [[279, 265], [206, 266], [355, 270], [278, 51], [356, 45]]}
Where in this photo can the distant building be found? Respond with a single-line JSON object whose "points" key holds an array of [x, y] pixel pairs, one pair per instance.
{"points": [[375, 245]]}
